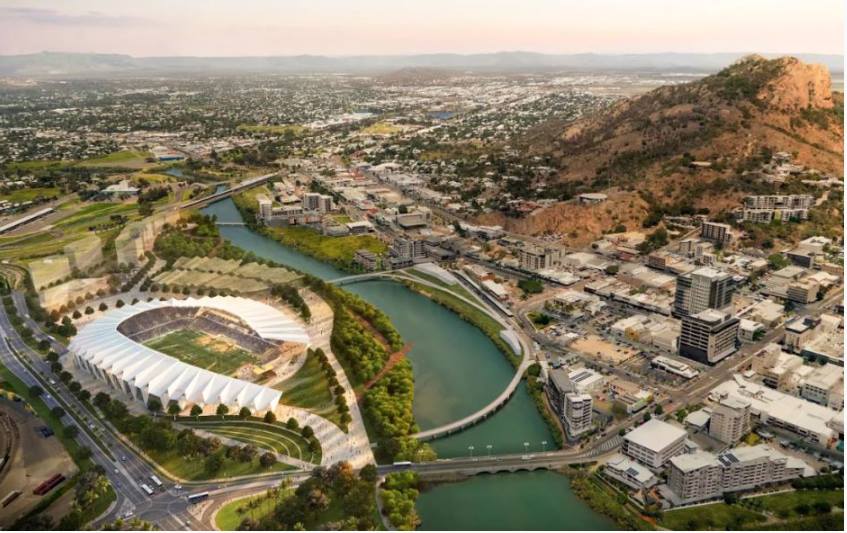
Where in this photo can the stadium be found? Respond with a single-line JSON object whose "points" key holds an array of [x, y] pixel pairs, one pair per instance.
{"points": [[190, 351]]}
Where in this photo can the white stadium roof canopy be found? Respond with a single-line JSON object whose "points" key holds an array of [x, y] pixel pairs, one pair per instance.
{"points": [[101, 345]]}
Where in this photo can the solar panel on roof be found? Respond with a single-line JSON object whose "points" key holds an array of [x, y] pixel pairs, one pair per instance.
{"points": [[631, 471]]}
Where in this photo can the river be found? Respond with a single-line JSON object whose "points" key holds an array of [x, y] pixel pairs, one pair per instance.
{"points": [[457, 370]]}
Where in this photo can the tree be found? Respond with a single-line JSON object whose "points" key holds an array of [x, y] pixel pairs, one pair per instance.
{"points": [[292, 424], [174, 409], [77, 314], [222, 410], [777, 261], [89, 310], [84, 395], [71, 431], [307, 432], [196, 411], [43, 345], [103, 306], [213, 464], [74, 387], [270, 417], [65, 377], [244, 413], [36, 391], [267, 460], [154, 405], [369, 473], [101, 400]]}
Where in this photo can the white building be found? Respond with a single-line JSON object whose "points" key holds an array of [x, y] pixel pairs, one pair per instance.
{"points": [[629, 472], [654, 443]]}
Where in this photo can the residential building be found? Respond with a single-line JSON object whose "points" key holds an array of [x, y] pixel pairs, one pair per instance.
{"points": [[367, 260], [322, 203], [654, 443], [704, 288], [730, 420], [708, 336], [769, 208], [716, 232], [703, 476], [574, 408], [537, 258]]}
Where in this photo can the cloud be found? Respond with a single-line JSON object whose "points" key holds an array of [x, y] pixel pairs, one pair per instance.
{"points": [[58, 18]]}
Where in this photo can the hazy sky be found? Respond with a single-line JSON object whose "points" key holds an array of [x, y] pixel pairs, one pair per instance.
{"points": [[348, 27]]}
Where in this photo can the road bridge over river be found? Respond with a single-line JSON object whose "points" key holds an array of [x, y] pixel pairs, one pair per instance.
{"points": [[220, 195]]}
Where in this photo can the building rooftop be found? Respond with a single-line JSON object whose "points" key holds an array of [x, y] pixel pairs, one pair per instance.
{"points": [[693, 461], [655, 435]]}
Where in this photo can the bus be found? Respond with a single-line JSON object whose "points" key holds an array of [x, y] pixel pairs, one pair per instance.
{"points": [[48, 485], [402, 464], [199, 497], [147, 489], [156, 481]]}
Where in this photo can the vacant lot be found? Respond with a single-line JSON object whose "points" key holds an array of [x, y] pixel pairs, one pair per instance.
{"points": [[215, 353], [124, 158], [594, 346]]}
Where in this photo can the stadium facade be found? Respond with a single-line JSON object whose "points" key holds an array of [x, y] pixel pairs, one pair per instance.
{"points": [[103, 349]]}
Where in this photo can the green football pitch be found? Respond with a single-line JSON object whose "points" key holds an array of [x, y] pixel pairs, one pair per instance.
{"points": [[214, 353]]}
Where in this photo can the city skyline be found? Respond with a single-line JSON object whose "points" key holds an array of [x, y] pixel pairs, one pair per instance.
{"points": [[376, 27]]}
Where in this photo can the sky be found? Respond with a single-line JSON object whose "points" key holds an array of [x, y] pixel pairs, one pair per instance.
{"points": [[367, 27]]}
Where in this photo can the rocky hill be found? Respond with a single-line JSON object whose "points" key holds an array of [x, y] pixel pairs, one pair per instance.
{"points": [[691, 147]]}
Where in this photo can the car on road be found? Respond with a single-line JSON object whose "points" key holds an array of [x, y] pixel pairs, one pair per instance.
{"points": [[123, 458]]}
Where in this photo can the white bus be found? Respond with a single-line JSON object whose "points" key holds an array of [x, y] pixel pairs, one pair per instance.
{"points": [[147, 489], [156, 481]]}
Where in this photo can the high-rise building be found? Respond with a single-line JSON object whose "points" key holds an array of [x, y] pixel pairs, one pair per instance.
{"points": [[574, 408], [265, 207], [730, 420], [705, 288], [708, 336], [322, 203], [537, 258]]}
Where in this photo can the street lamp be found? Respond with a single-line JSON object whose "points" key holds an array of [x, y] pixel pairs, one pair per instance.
{"points": [[470, 451], [544, 445], [488, 446], [526, 447]]}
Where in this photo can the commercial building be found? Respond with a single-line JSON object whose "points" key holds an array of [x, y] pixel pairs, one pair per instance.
{"points": [[812, 422], [629, 472], [367, 260], [730, 420], [825, 386], [704, 288], [708, 336], [799, 332], [703, 476], [674, 367], [632, 396], [654, 443], [405, 251]]}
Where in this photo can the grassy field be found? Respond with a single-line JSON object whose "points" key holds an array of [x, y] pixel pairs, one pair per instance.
{"points": [[78, 220], [231, 515], [202, 350], [715, 516], [381, 128], [123, 158], [192, 469], [29, 194], [784, 505], [333, 249], [308, 388], [269, 436]]}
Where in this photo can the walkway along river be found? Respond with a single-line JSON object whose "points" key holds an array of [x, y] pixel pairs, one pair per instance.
{"points": [[457, 368]]}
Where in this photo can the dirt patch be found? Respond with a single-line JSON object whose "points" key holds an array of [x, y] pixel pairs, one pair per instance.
{"points": [[595, 346]]}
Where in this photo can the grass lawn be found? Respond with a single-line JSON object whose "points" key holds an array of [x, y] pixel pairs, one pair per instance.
{"points": [[784, 505], [123, 158], [37, 164], [714, 516], [192, 468], [274, 437], [231, 515], [29, 194], [217, 354], [333, 249], [381, 128], [308, 388]]}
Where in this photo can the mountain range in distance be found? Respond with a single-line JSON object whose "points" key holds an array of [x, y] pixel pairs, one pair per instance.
{"points": [[57, 64]]}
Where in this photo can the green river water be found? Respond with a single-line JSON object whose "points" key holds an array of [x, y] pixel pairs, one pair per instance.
{"points": [[457, 370]]}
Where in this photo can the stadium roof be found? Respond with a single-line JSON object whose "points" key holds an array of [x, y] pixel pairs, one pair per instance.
{"points": [[103, 346]]}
